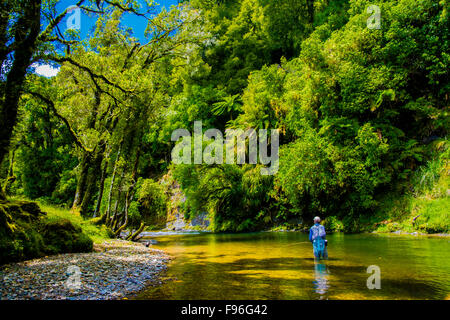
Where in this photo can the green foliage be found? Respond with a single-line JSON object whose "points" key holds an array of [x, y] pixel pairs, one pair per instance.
{"points": [[362, 113], [318, 177], [426, 207], [231, 194], [152, 201], [65, 189], [263, 108], [435, 216], [44, 157], [333, 224], [427, 176], [133, 214], [306, 175], [228, 105], [430, 178], [352, 114]]}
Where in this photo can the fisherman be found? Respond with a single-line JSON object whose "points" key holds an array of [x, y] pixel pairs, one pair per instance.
{"points": [[317, 237]]}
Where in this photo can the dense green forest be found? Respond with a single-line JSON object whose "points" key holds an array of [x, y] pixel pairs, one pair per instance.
{"points": [[362, 112]]}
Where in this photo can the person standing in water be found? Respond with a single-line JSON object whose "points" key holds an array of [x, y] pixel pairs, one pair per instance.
{"points": [[317, 237]]}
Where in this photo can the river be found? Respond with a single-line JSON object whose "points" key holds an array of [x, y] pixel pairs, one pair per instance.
{"points": [[280, 265]]}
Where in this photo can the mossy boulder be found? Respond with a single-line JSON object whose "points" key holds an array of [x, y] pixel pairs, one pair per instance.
{"points": [[19, 234], [62, 236], [24, 243], [24, 211], [26, 234]]}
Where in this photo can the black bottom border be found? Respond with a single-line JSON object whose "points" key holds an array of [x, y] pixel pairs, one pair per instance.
{"points": [[185, 309]]}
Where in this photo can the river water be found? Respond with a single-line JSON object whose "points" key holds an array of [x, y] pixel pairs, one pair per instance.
{"points": [[280, 265]]}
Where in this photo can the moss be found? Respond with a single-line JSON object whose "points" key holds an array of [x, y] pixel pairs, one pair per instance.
{"points": [[26, 244], [96, 221], [31, 208], [110, 233]]}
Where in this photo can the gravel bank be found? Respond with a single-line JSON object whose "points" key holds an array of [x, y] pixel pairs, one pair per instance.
{"points": [[116, 269]]}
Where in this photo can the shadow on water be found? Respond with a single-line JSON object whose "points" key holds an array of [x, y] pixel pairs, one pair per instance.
{"points": [[267, 266]]}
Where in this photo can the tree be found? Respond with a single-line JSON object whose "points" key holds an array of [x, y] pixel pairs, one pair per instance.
{"points": [[20, 20], [23, 42]]}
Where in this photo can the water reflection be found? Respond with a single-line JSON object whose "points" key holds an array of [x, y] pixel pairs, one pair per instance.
{"points": [[321, 281]]}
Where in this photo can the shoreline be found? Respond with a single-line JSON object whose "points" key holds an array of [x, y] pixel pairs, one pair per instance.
{"points": [[148, 235], [414, 234], [115, 269]]}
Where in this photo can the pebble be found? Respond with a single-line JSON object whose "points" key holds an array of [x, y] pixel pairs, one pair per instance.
{"points": [[119, 269]]}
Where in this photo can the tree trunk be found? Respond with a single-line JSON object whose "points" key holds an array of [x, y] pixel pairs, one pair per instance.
{"points": [[133, 236], [82, 181], [114, 219], [101, 189], [125, 223], [11, 177], [108, 208], [128, 197], [93, 174]]}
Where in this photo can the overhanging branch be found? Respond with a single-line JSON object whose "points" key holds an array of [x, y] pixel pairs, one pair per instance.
{"points": [[48, 30], [89, 71]]}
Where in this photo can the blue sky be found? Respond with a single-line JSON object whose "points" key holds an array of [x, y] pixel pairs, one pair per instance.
{"points": [[138, 24]]}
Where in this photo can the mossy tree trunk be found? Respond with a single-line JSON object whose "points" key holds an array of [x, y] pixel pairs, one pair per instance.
{"points": [[2, 195], [92, 178], [90, 164], [130, 192], [11, 176], [82, 181], [111, 186], [113, 221], [101, 188], [133, 236]]}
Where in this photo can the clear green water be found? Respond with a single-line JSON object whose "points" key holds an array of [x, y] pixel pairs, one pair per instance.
{"points": [[281, 266]]}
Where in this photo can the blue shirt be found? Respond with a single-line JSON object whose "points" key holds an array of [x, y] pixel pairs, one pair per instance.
{"points": [[311, 232]]}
